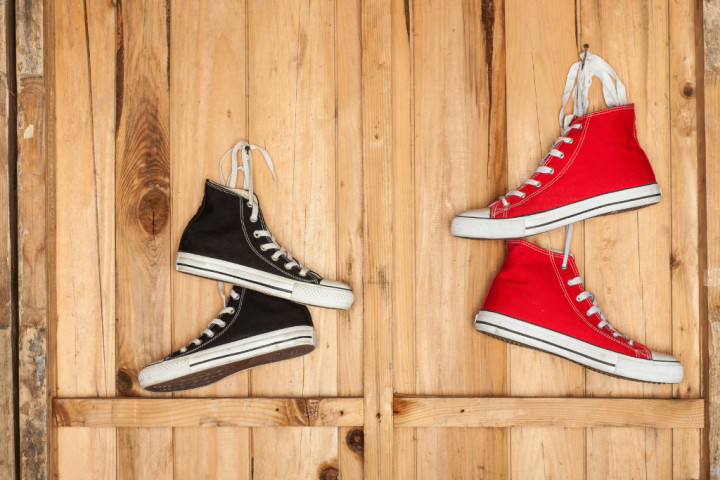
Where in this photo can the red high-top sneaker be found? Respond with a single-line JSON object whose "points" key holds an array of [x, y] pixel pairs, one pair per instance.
{"points": [[536, 302], [595, 167]]}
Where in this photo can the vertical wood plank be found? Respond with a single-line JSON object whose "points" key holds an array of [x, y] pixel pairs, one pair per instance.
{"points": [[378, 281], [403, 246], [143, 251], [84, 128], [537, 62], [32, 228], [208, 105], [349, 238], [292, 113], [8, 299], [711, 19], [636, 299], [685, 236], [459, 163]]}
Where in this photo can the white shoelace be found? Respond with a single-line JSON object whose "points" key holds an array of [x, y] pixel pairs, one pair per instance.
{"points": [[247, 168], [577, 84], [585, 294], [215, 322]]}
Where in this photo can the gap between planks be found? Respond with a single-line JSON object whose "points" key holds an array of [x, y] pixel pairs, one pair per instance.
{"points": [[500, 412]]}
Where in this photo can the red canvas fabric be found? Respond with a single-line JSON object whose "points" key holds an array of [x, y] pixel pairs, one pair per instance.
{"points": [[604, 157], [532, 286]]}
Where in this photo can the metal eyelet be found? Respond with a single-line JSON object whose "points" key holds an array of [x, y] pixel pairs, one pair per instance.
{"points": [[570, 141], [568, 282], [255, 234], [523, 195], [287, 268], [248, 203], [562, 155], [552, 170], [232, 310], [539, 184], [577, 299], [262, 248]]}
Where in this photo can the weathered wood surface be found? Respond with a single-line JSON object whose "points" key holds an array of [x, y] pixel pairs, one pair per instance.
{"points": [[8, 319], [207, 412], [32, 191], [547, 412], [711, 44], [83, 156]]}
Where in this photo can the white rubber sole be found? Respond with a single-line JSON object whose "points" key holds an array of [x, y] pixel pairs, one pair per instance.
{"points": [[469, 226], [327, 294], [524, 333], [208, 366]]}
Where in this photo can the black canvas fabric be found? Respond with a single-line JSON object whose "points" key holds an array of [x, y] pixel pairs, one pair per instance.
{"points": [[255, 314], [222, 229]]}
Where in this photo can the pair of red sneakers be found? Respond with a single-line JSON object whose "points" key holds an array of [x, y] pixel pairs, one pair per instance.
{"points": [[537, 299]]}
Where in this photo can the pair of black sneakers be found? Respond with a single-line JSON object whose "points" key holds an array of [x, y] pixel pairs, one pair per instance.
{"points": [[263, 320]]}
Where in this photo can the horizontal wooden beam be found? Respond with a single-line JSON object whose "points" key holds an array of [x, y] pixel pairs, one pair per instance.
{"points": [[407, 412], [207, 412], [547, 412]]}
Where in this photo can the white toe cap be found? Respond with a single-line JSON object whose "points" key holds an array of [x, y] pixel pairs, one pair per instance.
{"points": [[335, 284], [479, 213], [663, 357]]}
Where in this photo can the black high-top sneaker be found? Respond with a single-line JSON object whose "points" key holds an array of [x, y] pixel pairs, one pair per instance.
{"points": [[227, 240], [253, 329]]}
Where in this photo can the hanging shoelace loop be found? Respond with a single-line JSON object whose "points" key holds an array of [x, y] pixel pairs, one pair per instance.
{"points": [[584, 295], [577, 85], [246, 167]]}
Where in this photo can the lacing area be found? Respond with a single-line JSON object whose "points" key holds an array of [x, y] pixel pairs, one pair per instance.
{"points": [[246, 149], [208, 332], [543, 169], [279, 251], [584, 295], [577, 85]]}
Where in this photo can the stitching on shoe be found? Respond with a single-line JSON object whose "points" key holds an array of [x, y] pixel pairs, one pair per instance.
{"points": [[584, 318], [503, 211], [221, 332], [304, 279]]}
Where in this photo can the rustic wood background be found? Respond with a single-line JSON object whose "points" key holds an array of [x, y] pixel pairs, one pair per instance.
{"points": [[384, 118]]}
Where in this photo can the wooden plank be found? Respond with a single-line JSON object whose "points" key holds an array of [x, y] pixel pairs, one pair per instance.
{"points": [[208, 116], [459, 163], [538, 412], [207, 412], [537, 62], [292, 107], [305, 453], [143, 249], [628, 453], [349, 238], [209, 112], [32, 228], [8, 297], [378, 268], [711, 19], [626, 255], [84, 110], [403, 246], [220, 452], [686, 243]]}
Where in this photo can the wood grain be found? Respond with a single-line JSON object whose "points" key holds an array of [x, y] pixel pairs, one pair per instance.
{"points": [[32, 192], [711, 18], [207, 412], [8, 299], [143, 250], [378, 267], [537, 412], [685, 237], [84, 128]]}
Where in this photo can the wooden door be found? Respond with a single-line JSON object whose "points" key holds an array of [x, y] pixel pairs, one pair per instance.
{"points": [[384, 119]]}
